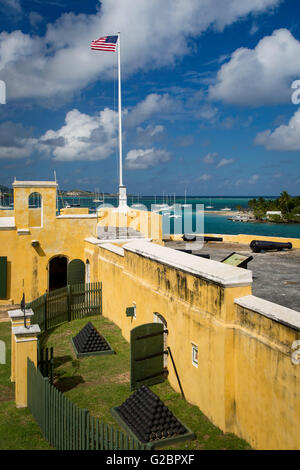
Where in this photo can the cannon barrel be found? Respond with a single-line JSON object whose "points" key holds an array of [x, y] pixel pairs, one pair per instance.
{"points": [[194, 252], [192, 238], [258, 245]]}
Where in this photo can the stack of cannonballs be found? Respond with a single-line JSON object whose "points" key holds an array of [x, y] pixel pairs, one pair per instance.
{"points": [[148, 418], [88, 340]]}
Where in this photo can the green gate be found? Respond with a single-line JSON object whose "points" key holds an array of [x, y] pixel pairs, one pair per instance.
{"points": [[147, 355], [76, 272], [3, 276]]}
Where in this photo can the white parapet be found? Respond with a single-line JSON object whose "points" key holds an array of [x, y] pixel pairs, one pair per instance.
{"points": [[220, 273], [284, 315]]}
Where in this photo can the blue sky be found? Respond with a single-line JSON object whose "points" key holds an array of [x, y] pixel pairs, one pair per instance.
{"points": [[206, 95]]}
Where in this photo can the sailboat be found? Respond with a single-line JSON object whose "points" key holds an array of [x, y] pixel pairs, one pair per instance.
{"points": [[174, 216], [97, 198], [138, 203], [162, 207], [210, 206], [2, 206], [185, 204]]}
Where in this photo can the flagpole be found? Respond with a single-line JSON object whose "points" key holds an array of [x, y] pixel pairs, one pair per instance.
{"points": [[122, 188]]}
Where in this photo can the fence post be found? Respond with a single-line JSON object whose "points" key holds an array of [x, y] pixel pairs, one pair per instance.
{"points": [[45, 407], [45, 311], [84, 429], [17, 319], [69, 292], [25, 347]]}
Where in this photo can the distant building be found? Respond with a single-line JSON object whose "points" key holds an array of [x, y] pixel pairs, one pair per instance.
{"points": [[270, 213]]}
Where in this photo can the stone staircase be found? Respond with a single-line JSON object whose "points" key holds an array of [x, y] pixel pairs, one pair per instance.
{"points": [[121, 233]]}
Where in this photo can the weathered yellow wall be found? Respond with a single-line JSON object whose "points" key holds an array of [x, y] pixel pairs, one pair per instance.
{"points": [[35, 217], [267, 383], [6, 213], [74, 210], [24, 348], [245, 382], [56, 237]]}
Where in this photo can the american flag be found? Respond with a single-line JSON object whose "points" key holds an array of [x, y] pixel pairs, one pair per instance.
{"points": [[106, 43]]}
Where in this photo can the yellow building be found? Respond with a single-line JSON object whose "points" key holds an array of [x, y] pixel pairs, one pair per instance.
{"points": [[235, 354]]}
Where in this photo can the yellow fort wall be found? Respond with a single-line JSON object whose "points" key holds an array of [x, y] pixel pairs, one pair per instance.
{"points": [[245, 381], [57, 235]]}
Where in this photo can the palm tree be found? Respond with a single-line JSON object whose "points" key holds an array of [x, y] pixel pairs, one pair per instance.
{"points": [[284, 202]]}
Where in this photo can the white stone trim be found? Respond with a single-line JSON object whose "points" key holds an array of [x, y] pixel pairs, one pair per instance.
{"points": [[35, 184], [99, 241], [14, 314], [77, 216], [113, 248], [284, 315], [22, 331], [220, 273], [23, 231], [7, 222]]}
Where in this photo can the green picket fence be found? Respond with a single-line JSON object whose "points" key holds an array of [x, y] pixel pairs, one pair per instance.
{"points": [[68, 303], [65, 425]]}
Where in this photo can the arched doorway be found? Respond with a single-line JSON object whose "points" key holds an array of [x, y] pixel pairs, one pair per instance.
{"points": [[58, 267], [158, 318], [76, 272]]}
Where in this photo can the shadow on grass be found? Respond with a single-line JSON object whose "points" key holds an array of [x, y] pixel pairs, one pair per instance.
{"points": [[59, 361], [64, 384]]}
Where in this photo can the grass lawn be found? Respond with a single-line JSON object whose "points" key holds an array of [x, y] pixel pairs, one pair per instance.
{"points": [[97, 383], [100, 383]]}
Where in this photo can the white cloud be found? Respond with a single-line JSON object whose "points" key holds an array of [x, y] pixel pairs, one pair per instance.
{"points": [[35, 19], [204, 177], [141, 159], [149, 134], [254, 179], [61, 61], [83, 137], [210, 158], [284, 137], [224, 162], [254, 28], [13, 5], [260, 76], [153, 105]]}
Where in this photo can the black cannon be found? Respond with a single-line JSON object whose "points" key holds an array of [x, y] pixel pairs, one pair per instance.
{"points": [[194, 252], [192, 238], [258, 245]]}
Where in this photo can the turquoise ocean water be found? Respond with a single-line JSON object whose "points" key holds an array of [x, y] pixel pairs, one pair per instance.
{"points": [[213, 223]]}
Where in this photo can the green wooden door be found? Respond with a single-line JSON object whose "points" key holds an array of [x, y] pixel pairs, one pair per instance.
{"points": [[147, 355], [76, 272], [3, 276]]}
